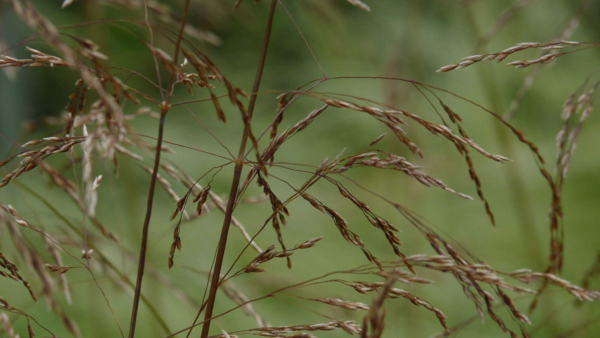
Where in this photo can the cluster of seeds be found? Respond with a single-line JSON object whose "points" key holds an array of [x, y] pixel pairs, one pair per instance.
{"points": [[181, 203], [279, 211], [393, 293], [341, 303], [191, 79], [270, 253], [349, 327], [463, 150], [12, 272], [32, 158], [38, 59], [500, 56], [399, 163], [342, 225], [60, 269], [391, 119]]}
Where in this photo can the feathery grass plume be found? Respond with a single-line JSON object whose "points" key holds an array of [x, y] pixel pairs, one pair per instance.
{"points": [[390, 118], [192, 184], [374, 321], [342, 225], [385, 290], [35, 263], [270, 253], [580, 103], [566, 32], [577, 104], [295, 331], [12, 272], [279, 211], [544, 59], [341, 303], [58, 269], [456, 120]]}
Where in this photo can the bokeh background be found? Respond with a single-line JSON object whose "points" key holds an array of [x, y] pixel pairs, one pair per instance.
{"points": [[408, 39]]}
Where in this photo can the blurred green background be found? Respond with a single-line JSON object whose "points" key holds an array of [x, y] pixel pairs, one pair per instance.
{"points": [[407, 39]]}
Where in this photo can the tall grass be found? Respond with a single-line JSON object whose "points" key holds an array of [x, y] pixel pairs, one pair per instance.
{"points": [[97, 134]]}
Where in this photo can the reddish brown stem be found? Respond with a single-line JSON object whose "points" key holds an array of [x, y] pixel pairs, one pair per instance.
{"points": [[142, 259], [214, 285], [165, 106]]}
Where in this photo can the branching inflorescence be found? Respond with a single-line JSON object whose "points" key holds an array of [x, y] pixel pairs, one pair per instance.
{"points": [[103, 131]]}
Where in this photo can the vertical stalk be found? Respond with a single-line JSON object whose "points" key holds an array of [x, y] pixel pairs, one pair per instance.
{"points": [[145, 230], [214, 285], [165, 106]]}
